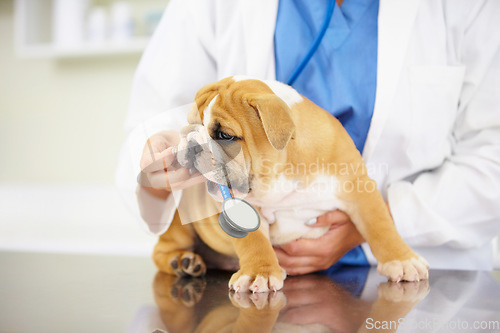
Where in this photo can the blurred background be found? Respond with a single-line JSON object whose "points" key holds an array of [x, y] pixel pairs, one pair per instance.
{"points": [[66, 68]]}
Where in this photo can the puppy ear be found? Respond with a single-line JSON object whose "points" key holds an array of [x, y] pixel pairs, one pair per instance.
{"points": [[275, 116]]}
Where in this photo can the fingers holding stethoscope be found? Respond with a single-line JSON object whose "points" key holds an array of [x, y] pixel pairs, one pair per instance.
{"points": [[160, 170], [170, 179], [157, 161]]}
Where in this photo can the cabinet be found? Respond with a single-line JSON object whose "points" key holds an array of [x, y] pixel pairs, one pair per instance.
{"points": [[84, 28]]}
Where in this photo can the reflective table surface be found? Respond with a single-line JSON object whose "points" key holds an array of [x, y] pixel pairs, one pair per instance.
{"points": [[83, 293]]}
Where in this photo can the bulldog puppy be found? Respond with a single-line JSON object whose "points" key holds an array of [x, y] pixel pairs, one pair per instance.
{"points": [[292, 161]]}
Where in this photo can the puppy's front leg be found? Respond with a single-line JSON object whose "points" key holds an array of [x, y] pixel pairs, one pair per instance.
{"points": [[259, 268]]}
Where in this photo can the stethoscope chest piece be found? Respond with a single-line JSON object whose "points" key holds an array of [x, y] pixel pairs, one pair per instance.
{"points": [[238, 218]]}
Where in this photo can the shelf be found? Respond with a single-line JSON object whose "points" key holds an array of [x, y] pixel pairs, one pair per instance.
{"points": [[134, 46], [37, 34]]}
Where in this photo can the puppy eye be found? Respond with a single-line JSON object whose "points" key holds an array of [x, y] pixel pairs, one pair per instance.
{"points": [[219, 135]]}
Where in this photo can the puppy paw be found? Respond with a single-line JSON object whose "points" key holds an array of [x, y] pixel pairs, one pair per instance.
{"points": [[187, 264], [257, 280], [414, 269], [261, 301]]}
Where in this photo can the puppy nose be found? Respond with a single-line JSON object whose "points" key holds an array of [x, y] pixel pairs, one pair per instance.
{"points": [[193, 151], [197, 149], [194, 147]]}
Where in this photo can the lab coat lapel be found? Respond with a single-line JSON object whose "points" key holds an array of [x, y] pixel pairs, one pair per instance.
{"points": [[395, 23], [259, 20]]}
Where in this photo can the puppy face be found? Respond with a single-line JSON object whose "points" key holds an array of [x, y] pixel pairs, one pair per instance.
{"points": [[237, 131]]}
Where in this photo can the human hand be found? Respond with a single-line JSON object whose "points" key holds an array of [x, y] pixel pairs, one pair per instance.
{"points": [[159, 169], [305, 255]]}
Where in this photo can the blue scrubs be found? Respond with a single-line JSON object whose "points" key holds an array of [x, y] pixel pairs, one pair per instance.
{"points": [[341, 76]]}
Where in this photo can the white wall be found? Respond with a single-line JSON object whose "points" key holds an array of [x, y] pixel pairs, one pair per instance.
{"points": [[60, 120], [60, 133]]}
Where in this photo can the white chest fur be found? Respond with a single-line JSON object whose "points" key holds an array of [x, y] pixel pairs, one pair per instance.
{"points": [[287, 206]]}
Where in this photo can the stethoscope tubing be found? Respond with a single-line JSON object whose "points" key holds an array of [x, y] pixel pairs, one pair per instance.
{"points": [[315, 45]]}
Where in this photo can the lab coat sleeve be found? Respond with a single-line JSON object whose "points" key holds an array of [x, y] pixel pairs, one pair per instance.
{"points": [[458, 204], [175, 65]]}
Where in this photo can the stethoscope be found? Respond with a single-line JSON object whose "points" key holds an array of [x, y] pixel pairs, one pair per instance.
{"points": [[238, 217]]}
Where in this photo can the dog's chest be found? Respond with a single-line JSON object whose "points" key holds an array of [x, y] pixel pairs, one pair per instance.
{"points": [[297, 205]]}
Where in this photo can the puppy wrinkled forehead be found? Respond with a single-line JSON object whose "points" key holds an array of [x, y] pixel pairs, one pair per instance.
{"points": [[206, 117]]}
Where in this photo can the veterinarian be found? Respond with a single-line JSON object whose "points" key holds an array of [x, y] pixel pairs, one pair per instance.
{"points": [[414, 82]]}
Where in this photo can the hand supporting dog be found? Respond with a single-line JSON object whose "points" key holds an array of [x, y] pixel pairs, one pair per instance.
{"points": [[305, 255]]}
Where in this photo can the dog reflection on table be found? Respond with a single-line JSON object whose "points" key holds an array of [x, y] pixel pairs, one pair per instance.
{"points": [[310, 303]]}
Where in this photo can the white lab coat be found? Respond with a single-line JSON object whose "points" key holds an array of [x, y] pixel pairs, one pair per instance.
{"points": [[434, 142]]}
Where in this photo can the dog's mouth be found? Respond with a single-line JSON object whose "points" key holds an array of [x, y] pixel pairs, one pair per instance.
{"points": [[214, 191], [212, 187]]}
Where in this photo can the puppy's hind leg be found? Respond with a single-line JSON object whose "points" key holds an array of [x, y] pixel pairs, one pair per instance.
{"points": [[173, 252], [396, 259]]}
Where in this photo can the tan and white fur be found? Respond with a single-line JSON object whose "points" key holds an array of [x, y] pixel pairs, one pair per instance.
{"points": [[287, 166]]}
